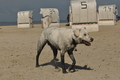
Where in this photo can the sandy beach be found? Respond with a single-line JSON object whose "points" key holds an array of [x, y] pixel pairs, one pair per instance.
{"points": [[18, 47]]}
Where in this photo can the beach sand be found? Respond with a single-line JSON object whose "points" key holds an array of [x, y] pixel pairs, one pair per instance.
{"points": [[18, 47]]}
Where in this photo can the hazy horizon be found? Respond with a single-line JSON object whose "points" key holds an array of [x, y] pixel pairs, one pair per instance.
{"points": [[10, 8]]}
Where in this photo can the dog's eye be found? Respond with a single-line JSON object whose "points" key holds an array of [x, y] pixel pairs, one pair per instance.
{"points": [[84, 34]]}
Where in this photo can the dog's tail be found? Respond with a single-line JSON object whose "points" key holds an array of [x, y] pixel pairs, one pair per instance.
{"points": [[41, 43]]}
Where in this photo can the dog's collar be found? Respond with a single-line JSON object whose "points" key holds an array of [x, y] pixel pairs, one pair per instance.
{"points": [[74, 42]]}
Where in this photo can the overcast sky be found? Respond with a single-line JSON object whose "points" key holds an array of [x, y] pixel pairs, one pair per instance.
{"points": [[9, 8]]}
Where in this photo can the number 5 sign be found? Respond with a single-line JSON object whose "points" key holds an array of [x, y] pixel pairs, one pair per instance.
{"points": [[83, 12], [84, 5]]}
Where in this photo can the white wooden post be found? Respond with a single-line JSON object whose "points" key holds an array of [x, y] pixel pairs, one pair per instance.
{"points": [[83, 13], [106, 15], [50, 17], [25, 19]]}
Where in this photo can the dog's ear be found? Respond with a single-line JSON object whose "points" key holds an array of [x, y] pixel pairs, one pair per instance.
{"points": [[77, 32]]}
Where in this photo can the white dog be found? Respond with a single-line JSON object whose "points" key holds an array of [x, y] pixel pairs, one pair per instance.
{"points": [[62, 39]]}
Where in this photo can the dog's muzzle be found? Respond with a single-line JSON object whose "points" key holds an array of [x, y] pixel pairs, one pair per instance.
{"points": [[87, 43], [91, 39]]}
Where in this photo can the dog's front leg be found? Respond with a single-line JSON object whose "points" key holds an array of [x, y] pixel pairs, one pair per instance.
{"points": [[73, 59], [62, 62]]}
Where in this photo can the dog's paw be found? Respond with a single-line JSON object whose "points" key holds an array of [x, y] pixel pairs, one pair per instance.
{"points": [[64, 72], [71, 71]]}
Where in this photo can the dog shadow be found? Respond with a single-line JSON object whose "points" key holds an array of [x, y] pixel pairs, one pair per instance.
{"points": [[77, 67]]}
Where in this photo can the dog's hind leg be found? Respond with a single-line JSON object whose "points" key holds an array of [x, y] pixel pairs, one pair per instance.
{"points": [[55, 52], [41, 43], [63, 61], [70, 53]]}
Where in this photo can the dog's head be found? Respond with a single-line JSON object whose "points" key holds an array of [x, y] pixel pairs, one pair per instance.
{"points": [[82, 36]]}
